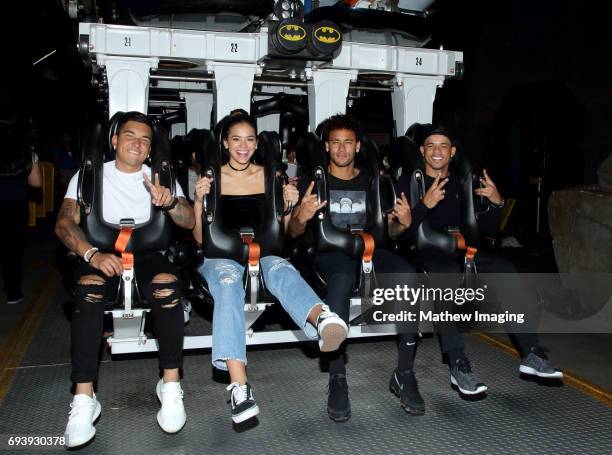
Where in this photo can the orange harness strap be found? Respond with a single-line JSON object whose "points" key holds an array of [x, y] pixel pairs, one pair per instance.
{"points": [[368, 246], [254, 249], [470, 251], [460, 240], [127, 259]]}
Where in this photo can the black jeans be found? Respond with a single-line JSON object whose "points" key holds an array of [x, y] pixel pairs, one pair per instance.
{"points": [[88, 317], [486, 262], [341, 273]]}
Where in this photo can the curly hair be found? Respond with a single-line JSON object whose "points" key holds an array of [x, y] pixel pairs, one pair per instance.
{"points": [[341, 122]]}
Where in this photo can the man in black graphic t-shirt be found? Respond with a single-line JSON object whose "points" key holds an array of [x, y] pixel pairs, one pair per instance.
{"points": [[347, 201], [348, 186]]}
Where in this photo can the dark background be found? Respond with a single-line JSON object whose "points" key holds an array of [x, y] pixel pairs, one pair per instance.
{"points": [[534, 100]]}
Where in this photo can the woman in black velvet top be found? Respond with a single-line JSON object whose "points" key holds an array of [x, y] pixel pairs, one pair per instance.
{"points": [[242, 197]]}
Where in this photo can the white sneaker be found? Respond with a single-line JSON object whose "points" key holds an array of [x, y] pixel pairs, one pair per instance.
{"points": [[83, 413], [171, 417], [332, 330]]}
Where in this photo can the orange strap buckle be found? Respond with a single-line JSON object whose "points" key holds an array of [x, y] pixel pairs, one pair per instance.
{"points": [[368, 246], [254, 249], [460, 240], [470, 251], [127, 259]]}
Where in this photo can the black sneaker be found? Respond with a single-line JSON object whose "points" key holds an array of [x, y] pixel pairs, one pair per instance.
{"points": [[404, 385], [338, 404], [465, 379], [535, 363], [243, 403]]}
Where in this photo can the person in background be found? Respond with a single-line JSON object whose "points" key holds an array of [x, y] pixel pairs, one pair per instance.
{"points": [[20, 180]]}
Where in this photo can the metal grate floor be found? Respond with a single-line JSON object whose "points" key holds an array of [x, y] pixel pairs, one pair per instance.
{"points": [[291, 391]]}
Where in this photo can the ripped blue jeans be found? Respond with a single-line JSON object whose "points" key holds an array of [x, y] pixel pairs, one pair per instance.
{"points": [[224, 278]]}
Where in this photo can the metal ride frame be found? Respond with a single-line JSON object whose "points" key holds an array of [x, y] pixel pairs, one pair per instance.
{"points": [[222, 70]]}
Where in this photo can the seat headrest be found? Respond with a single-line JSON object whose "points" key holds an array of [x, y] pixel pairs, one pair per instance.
{"points": [[202, 142], [368, 157], [416, 132], [93, 145], [160, 148], [310, 152], [269, 148], [405, 154], [113, 125], [181, 156]]}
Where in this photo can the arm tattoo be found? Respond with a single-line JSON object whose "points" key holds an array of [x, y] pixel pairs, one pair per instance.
{"points": [[182, 214], [67, 228]]}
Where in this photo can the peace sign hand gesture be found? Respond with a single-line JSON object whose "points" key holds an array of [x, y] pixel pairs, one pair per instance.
{"points": [[160, 195], [490, 190], [435, 193]]}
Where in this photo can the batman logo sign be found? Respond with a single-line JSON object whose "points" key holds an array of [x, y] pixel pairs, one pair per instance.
{"points": [[291, 32], [327, 35]]}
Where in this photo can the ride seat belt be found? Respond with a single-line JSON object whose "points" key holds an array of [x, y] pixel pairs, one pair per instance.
{"points": [[366, 262], [247, 235], [468, 261], [127, 260]]}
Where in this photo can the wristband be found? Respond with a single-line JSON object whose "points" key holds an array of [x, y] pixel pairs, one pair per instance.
{"points": [[87, 256], [172, 205], [501, 204]]}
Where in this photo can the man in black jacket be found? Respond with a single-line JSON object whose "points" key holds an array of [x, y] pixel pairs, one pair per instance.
{"points": [[441, 207]]}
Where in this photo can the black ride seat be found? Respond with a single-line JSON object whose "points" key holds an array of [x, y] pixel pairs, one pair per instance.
{"points": [[151, 235], [381, 199], [219, 242]]}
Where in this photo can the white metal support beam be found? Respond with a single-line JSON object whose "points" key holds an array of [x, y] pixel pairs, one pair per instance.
{"points": [[128, 82], [412, 100], [327, 92], [233, 87], [199, 109]]}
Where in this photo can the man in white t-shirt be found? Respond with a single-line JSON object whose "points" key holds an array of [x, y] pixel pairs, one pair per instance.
{"points": [[129, 191]]}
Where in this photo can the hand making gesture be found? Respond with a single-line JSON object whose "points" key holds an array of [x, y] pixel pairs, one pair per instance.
{"points": [[160, 195], [490, 190], [401, 211], [435, 193], [309, 205]]}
